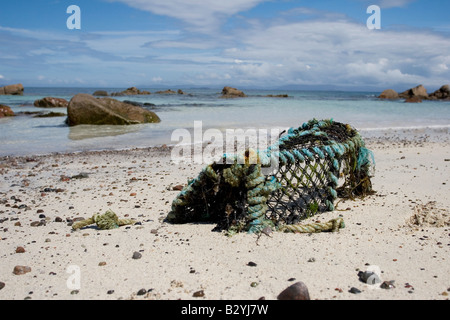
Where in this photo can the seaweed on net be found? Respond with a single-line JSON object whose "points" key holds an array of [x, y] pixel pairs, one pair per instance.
{"points": [[315, 164]]}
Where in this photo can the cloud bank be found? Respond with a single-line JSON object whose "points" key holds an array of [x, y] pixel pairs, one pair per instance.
{"points": [[319, 49]]}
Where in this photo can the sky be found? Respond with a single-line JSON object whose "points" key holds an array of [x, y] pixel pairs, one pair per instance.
{"points": [[212, 43]]}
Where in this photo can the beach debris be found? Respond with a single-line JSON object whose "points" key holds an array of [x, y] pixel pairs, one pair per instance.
{"points": [[369, 277], [297, 291], [299, 176], [20, 270], [106, 221]]}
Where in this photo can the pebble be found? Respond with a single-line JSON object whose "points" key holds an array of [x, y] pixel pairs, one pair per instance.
{"points": [[20, 270], [199, 294], [354, 290], [141, 292], [110, 292], [178, 188], [101, 264], [387, 285], [20, 250], [297, 291], [251, 264], [58, 219], [137, 255], [2, 285]]}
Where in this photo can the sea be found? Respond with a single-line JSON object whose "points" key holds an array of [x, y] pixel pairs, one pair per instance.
{"points": [[26, 135]]}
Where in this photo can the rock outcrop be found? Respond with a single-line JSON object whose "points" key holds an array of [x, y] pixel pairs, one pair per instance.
{"points": [[166, 92], [5, 111], [419, 92], [100, 93], [442, 94], [133, 91], [86, 109], [50, 102], [14, 89], [389, 94], [229, 92]]}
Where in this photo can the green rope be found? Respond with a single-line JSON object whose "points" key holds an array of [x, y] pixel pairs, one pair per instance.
{"points": [[106, 221]]}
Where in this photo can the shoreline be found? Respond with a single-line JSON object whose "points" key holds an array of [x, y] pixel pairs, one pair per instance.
{"points": [[179, 260], [406, 134]]}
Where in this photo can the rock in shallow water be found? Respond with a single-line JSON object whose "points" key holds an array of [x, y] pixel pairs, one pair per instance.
{"points": [[86, 109]]}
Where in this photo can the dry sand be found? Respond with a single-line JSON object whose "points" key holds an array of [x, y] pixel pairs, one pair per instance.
{"points": [[179, 260]]}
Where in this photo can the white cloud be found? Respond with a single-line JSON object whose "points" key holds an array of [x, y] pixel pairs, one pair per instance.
{"points": [[1, 76], [340, 52], [394, 3], [204, 15]]}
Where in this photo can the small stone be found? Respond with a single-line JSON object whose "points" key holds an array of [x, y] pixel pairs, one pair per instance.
{"points": [[2, 285], [58, 219], [20, 270], [199, 294], [17, 224], [254, 284], [102, 263], [110, 292], [141, 292], [40, 211], [178, 188], [387, 285], [297, 291], [74, 292], [354, 290], [20, 250], [42, 216], [137, 255], [251, 264]]}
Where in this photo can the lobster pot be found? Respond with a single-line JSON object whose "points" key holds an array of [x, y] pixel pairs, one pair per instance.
{"points": [[300, 175]]}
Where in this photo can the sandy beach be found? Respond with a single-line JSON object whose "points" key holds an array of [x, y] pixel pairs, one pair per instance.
{"points": [[41, 195]]}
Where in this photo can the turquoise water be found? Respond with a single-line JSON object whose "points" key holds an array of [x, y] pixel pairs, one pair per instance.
{"points": [[25, 135]]}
